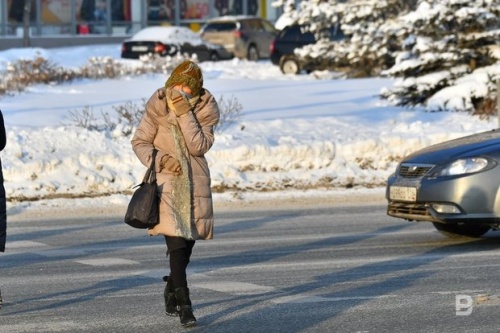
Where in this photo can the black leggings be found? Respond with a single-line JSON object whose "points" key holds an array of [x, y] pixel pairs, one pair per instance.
{"points": [[180, 250]]}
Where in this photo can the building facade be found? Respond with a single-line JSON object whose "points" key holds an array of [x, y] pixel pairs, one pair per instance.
{"points": [[118, 17]]}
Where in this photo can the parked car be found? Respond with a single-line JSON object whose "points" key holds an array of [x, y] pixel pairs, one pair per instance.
{"points": [[292, 37], [454, 184], [169, 41], [247, 37]]}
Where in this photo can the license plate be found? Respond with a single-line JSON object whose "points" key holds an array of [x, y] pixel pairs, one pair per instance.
{"points": [[403, 193], [139, 48]]}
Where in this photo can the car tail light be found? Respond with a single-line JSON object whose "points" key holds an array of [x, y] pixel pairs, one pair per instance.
{"points": [[272, 46], [160, 48], [238, 34], [124, 48]]}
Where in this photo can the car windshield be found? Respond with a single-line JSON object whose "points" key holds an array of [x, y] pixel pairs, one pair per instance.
{"points": [[296, 33], [251, 25], [220, 27], [300, 33]]}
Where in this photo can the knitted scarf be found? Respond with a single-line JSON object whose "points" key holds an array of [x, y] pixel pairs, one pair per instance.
{"points": [[182, 188]]}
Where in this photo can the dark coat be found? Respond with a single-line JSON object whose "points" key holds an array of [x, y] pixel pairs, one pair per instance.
{"points": [[3, 201]]}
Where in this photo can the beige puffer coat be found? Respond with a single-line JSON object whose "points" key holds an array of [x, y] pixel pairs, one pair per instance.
{"points": [[157, 129]]}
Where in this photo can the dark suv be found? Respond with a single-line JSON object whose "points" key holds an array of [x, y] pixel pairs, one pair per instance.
{"points": [[292, 37], [246, 37]]}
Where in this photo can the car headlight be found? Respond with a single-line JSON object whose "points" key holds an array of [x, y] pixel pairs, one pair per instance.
{"points": [[465, 166]]}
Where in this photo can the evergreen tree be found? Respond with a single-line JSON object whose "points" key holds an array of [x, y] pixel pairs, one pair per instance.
{"points": [[447, 62], [372, 35], [437, 49]]}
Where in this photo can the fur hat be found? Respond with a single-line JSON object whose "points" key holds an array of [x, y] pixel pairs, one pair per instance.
{"points": [[187, 73]]}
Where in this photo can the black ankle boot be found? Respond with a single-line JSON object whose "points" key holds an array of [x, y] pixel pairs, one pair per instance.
{"points": [[185, 309], [170, 299]]}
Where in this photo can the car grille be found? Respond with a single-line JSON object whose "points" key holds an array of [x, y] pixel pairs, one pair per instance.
{"points": [[414, 170], [407, 208], [410, 211]]}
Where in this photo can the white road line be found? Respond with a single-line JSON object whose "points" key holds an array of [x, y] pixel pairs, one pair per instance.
{"points": [[107, 262], [242, 288], [21, 245], [315, 299], [53, 325], [61, 253], [235, 288]]}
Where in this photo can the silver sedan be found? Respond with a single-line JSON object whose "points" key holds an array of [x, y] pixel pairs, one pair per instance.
{"points": [[454, 184]]}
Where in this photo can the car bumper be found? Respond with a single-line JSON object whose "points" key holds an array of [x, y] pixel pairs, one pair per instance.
{"points": [[225, 54], [465, 199], [275, 59], [130, 55]]}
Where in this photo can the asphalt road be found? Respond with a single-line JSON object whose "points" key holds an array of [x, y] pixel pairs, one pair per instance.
{"points": [[313, 269]]}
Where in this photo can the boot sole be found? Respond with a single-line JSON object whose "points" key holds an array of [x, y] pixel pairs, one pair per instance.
{"points": [[172, 314], [190, 324]]}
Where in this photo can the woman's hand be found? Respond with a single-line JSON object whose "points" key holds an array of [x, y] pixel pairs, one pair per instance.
{"points": [[171, 164], [179, 102]]}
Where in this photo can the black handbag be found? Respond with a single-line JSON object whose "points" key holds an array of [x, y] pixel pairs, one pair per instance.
{"points": [[144, 208]]}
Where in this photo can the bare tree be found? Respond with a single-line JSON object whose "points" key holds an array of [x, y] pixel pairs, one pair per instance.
{"points": [[26, 23]]}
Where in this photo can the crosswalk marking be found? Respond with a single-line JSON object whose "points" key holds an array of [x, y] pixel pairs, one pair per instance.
{"points": [[21, 245], [107, 262], [299, 298], [236, 288], [54, 253], [53, 325]]}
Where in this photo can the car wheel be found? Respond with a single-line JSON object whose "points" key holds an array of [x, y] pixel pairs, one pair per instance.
{"points": [[456, 230], [252, 53], [214, 56], [290, 66]]}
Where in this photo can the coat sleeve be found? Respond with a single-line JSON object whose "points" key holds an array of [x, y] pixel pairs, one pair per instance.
{"points": [[3, 136], [198, 127], [142, 141]]}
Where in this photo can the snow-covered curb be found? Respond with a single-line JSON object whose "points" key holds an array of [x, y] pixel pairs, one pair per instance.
{"points": [[115, 206]]}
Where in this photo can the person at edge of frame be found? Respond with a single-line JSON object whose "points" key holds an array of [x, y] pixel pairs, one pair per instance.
{"points": [[3, 200]]}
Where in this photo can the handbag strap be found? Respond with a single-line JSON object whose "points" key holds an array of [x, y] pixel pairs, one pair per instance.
{"points": [[150, 175]]}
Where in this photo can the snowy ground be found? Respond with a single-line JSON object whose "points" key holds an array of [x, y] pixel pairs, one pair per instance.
{"points": [[297, 133]]}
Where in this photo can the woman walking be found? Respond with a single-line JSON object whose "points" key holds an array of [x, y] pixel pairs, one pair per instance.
{"points": [[179, 122]]}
